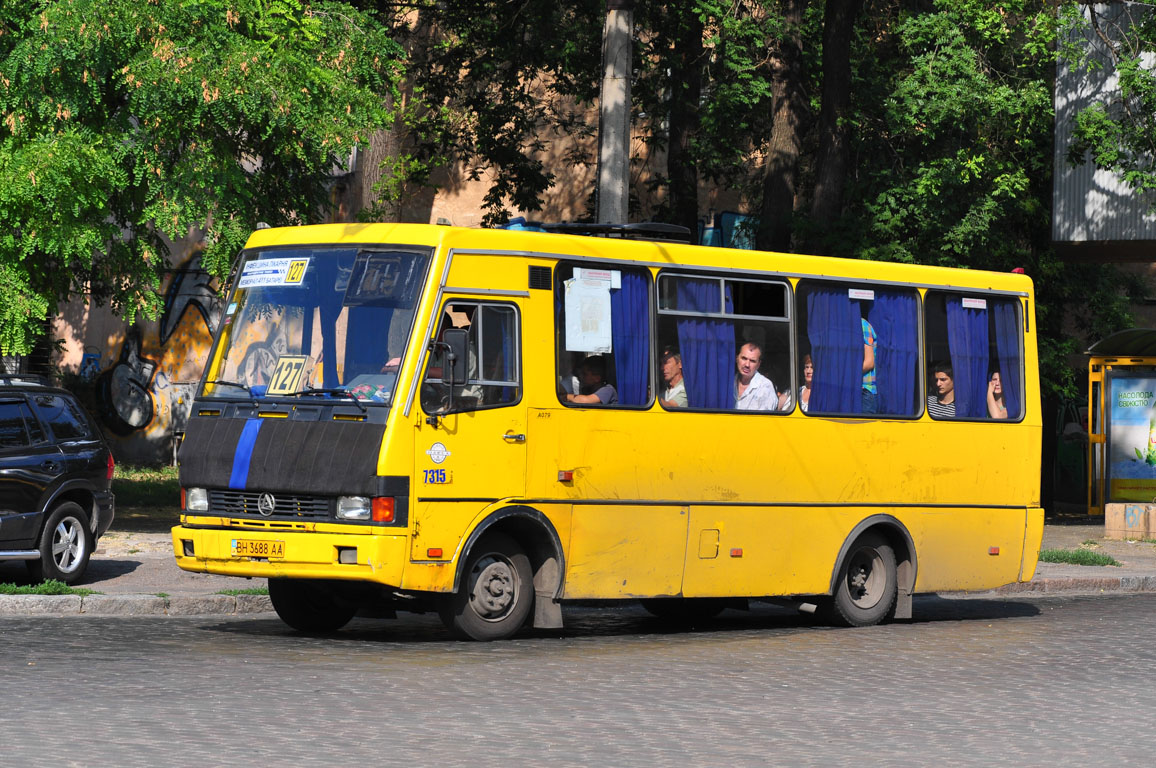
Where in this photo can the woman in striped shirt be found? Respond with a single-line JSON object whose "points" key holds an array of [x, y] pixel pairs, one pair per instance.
{"points": [[941, 405]]}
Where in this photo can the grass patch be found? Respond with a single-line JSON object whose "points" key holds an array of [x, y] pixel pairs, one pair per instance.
{"points": [[247, 591], [1076, 557], [50, 587], [146, 486]]}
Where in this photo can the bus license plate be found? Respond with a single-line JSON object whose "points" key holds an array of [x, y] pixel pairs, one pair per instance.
{"points": [[254, 548]]}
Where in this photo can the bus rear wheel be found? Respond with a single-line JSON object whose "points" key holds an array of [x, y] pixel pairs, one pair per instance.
{"points": [[867, 585], [496, 593], [308, 606]]}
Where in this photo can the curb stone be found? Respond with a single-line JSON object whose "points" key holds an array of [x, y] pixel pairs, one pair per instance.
{"points": [[40, 605], [122, 605], [133, 605]]}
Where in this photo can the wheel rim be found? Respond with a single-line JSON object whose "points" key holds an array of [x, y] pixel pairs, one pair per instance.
{"points": [[493, 587], [866, 578], [68, 544]]}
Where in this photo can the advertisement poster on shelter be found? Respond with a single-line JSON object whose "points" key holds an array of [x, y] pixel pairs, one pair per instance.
{"points": [[1132, 440]]}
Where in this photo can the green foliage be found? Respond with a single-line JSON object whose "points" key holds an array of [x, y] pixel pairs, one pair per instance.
{"points": [[49, 587], [146, 487], [246, 591], [1076, 557], [492, 85], [1119, 133], [122, 121]]}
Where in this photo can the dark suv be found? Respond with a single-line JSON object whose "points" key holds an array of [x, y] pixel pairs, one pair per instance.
{"points": [[55, 480]]}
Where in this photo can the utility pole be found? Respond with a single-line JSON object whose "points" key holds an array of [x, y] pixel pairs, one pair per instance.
{"points": [[613, 194]]}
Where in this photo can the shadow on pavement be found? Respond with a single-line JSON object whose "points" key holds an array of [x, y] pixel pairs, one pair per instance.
{"points": [[629, 619]]}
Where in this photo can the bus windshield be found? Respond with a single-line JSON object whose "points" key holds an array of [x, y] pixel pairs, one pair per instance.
{"points": [[323, 321]]}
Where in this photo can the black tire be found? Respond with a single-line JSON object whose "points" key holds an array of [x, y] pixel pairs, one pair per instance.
{"points": [[867, 586], [65, 545], [309, 606], [684, 610], [496, 592]]}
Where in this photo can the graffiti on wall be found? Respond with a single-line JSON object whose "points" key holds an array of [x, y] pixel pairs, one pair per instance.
{"points": [[144, 375]]}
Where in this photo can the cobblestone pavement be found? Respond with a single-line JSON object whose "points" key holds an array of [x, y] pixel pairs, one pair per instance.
{"points": [[999, 681]]}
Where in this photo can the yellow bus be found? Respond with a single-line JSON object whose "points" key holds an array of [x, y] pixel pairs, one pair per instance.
{"points": [[488, 423]]}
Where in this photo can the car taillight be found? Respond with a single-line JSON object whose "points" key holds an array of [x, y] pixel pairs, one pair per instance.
{"points": [[111, 465]]}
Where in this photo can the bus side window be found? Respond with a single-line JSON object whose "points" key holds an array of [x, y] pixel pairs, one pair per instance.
{"points": [[726, 334], [975, 358], [603, 351], [860, 347], [493, 375]]}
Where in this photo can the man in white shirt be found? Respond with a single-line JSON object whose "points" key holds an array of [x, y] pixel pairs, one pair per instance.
{"points": [[675, 394], [753, 391]]}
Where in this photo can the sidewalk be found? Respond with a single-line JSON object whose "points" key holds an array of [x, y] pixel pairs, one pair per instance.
{"points": [[136, 576]]}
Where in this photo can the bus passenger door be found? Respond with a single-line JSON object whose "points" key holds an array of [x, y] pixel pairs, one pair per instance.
{"points": [[471, 441]]}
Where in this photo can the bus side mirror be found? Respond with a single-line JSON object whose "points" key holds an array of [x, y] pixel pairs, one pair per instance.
{"points": [[457, 340]]}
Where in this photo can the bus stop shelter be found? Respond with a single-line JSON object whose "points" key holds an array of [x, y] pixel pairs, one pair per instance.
{"points": [[1122, 429]]}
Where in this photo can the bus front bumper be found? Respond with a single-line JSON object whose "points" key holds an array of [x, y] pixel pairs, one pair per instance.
{"points": [[291, 554]]}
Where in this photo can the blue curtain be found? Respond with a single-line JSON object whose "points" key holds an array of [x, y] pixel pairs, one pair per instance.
{"points": [[1007, 343], [895, 317], [366, 340], [707, 346], [835, 330], [630, 337], [967, 341]]}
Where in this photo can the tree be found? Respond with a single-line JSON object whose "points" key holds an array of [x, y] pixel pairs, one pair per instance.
{"points": [[1118, 133], [491, 84], [125, 120]]}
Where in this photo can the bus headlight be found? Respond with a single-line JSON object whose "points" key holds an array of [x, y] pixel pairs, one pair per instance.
{"points": [[196, 500], [352, 508]]}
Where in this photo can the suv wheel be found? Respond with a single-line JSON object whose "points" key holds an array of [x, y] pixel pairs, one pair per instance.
{"points": [[65, 545]]}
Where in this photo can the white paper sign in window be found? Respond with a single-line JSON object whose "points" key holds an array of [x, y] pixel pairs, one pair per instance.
{"points": [[587, 307], [970, 303], [269, 272]]}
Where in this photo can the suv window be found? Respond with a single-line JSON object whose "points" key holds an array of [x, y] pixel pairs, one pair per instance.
{"points": [[63, 416], [13, 433]]}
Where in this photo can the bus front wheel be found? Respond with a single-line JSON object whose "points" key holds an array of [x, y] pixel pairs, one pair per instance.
{"points": [[308, 607], [867, 583], [496, 592]]}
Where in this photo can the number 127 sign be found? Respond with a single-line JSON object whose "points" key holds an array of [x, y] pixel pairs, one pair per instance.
{"points": [[287, 375]]}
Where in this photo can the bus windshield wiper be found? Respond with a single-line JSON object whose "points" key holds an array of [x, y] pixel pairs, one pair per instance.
{"points": [[331, 391], [237, 384]]}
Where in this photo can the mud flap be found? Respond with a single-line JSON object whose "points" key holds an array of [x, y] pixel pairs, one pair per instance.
{"points": [[903, 604], [547, 611]]}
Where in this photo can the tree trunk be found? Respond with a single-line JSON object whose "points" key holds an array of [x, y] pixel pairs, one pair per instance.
{"points": [[686, 88], [834, 144], [790, 106]]}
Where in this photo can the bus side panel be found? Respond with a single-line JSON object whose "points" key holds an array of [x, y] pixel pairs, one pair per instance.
{"points": [[961, 549], [625, 551], [750, 551]]}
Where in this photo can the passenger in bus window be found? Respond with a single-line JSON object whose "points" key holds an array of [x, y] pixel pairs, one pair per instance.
{"points": [[996, 404], [941, 405], [595, 390], [808, 377], [674, 396], [870, 390], [753, 391], [785, 401]]}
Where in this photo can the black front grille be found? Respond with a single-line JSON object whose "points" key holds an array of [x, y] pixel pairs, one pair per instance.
{"points": [[245, 504]]}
